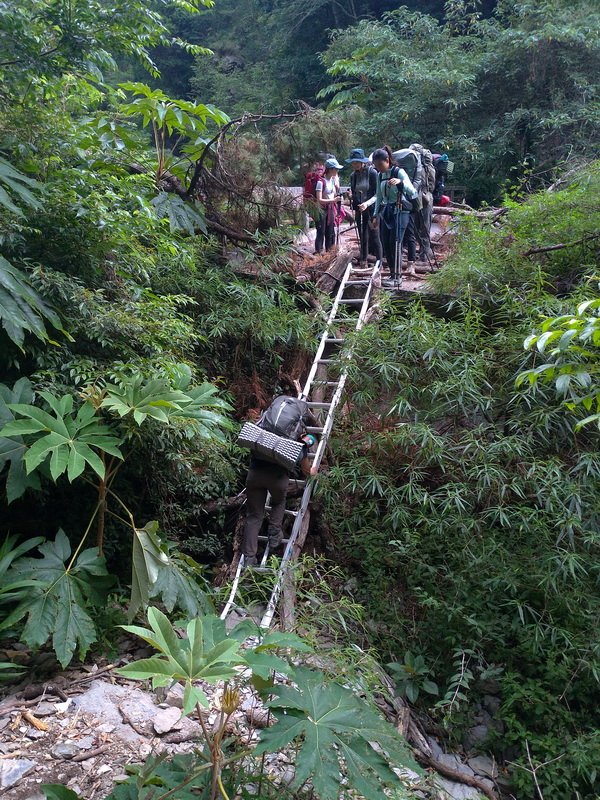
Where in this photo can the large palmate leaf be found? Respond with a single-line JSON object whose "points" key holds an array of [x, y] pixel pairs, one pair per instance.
{"points": [[59, 598], [334, 729], [183, 216], [158, 400], [15, 187], [22, 309], [66, 439], [208, 653], [12, 450], [165, 773], [160, 571]]}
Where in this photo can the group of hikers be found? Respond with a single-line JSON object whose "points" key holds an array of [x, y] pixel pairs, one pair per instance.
{"points": [[392, 195]]}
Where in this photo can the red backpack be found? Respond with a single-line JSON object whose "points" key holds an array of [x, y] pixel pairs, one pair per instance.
{"points": [[310, 181]]}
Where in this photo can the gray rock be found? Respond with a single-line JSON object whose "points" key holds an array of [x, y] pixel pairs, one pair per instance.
{"points": [[475, 737], [44, 709], [454, 762], [288, 775], [171, 697], [484, 765], [491, 703], [86, 742], [436, 750], [457, 791], [102, 700], [166, 720], [64, 750], [13, 769]]}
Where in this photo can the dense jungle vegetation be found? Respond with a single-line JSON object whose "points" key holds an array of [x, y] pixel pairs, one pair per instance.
{"points": [[462, 496]]}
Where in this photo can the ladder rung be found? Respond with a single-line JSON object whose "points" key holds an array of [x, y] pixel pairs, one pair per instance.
{"points": [[333, 340], [364, 282], [327, 383], [266, 539], [287, 511], [314, 429], [325, 360], [314, 404], [348, 300]]}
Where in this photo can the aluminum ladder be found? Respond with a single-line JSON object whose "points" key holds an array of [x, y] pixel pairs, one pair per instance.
{"points": [[347, 314]]}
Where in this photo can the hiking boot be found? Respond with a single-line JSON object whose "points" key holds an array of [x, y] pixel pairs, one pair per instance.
{"points": [[249, 562], [275, 537], [410, 268]]}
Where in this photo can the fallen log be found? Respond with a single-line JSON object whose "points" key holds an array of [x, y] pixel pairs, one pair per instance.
{"points": [[493, 214], [331, 278]]}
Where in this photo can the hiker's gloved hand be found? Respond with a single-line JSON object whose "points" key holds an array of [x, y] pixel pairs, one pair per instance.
{"points": [[394, 181]]}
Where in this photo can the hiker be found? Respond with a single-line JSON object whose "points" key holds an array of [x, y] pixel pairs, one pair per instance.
{"points": [[309, 194], [328, 194], [421, 218], [267, 477], [395, 195], [363, 186]]}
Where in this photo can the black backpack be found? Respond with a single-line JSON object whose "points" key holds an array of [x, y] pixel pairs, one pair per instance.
{"points": [[286, 416]]}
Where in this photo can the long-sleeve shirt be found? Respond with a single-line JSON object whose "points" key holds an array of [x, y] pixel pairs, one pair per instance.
{"points": [[388, 195]]}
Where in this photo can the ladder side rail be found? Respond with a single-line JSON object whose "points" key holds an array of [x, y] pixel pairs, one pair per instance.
{"points": [[330, 319]]}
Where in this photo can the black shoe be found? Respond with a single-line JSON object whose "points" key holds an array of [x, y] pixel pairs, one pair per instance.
{"points": [[275, 537]]}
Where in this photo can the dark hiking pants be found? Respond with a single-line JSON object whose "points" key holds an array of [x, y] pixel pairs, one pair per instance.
{"points": [[258, 483], [393, 226], [325, 230], [369, 239]]}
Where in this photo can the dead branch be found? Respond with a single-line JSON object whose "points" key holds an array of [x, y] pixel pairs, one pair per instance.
{"points": [[448, 772], [97, 751], [493, 214], [245, 119], [553, 247]]}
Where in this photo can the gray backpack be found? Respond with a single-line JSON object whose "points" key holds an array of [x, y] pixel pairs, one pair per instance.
{"points": [[286, 416]]}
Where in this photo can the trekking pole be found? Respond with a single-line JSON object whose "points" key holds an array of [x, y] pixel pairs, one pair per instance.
{"points": [[429, 249], [399, 238]]}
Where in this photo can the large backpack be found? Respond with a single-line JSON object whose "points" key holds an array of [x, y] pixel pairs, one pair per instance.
{"points": [[410, 162], [286, 416], [443, 167], [427, 167], [310, 182]]}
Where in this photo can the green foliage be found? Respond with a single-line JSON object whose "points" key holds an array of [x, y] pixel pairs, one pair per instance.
{"points": [[207, 653], [571, 342], [411, 677], [467, 512], [60, 598], [331, 723], [56, 791], [67, 440], [521, 252], [168, 774], [515, 91], [12, 450], [160, 571], [159, 400]]}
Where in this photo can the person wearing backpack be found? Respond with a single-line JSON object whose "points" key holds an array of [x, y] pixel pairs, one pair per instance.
{"points": [[422, 217], [309, 193], [394, 202], [363, 188], [327, 191], [286, 416]]}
